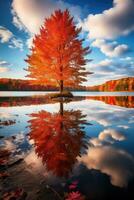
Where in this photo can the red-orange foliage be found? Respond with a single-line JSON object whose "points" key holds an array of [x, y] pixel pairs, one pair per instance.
{"points": [[57, 55], [58, 139]]}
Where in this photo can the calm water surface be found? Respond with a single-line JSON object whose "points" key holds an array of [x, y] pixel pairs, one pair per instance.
{"points": [[34, 93], [89, 139]]}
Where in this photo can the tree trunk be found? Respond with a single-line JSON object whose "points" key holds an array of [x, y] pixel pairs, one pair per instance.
{"points": [[61, 114], [61, 108], [61, 86]]}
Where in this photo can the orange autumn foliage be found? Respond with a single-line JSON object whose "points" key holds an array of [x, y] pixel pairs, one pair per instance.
{"points": [[58, 139], [57, 56]]}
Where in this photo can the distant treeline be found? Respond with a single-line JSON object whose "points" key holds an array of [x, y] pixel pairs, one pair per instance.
{"points": [[124, 84], [25, 85]]}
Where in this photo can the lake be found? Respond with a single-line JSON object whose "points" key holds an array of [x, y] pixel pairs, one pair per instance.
{"points": [[49, 147]]}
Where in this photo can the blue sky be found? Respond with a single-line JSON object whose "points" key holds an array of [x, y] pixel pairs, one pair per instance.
{"points": [[107, 26]]}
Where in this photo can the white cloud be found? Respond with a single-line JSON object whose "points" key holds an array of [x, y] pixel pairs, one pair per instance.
{"points": [[16, 43], [35, 161], [95, 142], [5, 34], [4, 66], [30, 14], [127, 59], [29, 42], [116, 163], [123, 126], [109, 69], [111, 49], [3, 63], [108, 136], [17, 22], [113, 22], [111, 135], [103, 66], [9, 145]]}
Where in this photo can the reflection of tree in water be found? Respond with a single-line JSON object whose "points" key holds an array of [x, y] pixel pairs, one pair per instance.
{"points": [[58, 138]]}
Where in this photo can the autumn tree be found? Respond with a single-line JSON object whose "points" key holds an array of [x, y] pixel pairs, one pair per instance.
{"points": [[58, 138], [58, 57]]}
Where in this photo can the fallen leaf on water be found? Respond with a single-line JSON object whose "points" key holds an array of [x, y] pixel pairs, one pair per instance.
{"points": [[73, 185], [75, 196]]}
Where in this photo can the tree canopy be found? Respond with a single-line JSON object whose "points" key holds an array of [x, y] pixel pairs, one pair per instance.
{"points": [[58, 56]]}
